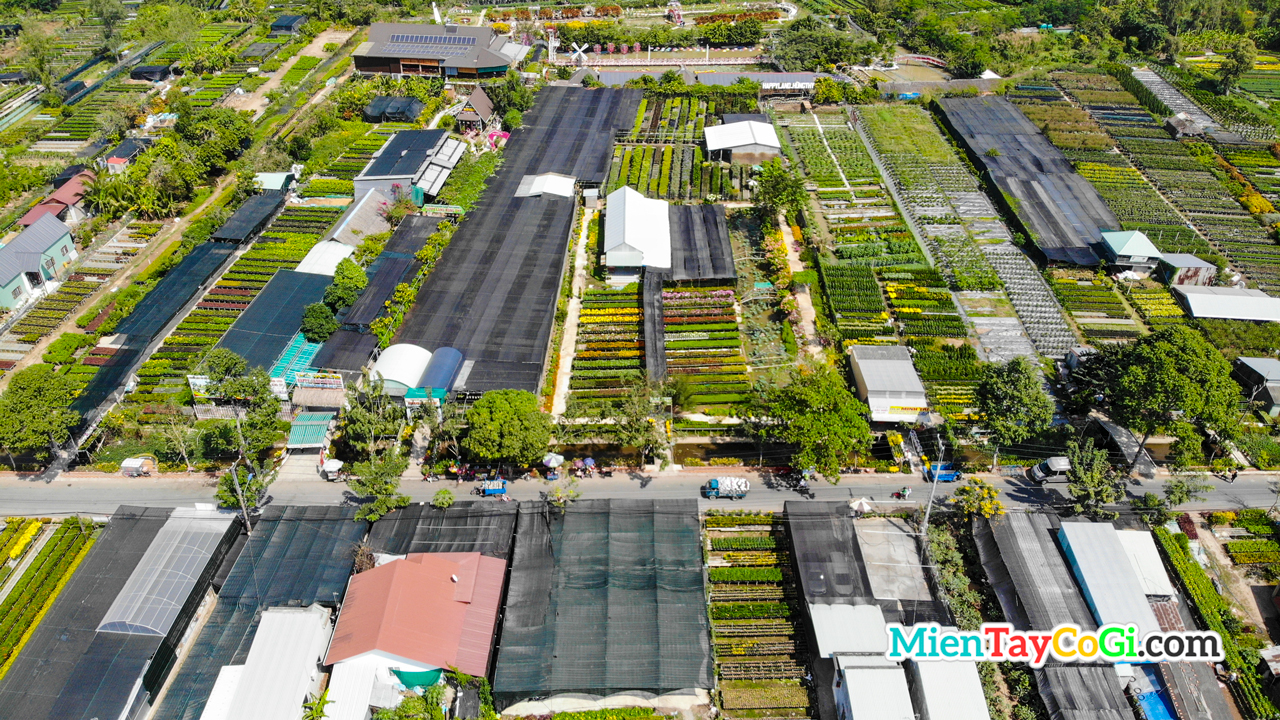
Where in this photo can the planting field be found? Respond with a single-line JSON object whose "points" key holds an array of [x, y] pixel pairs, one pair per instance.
{"points": [[760, 658], [921, 303], [1098, 310], [16, 539], [950, 374], [295, 231], [938, 191], [856, 302], [49, 313], [673, 120], [351, 161], [609, 356], [39, 586], [1154, 303], [1235, 114], [676, 172], [703, 344], [1258, 165], [83, 121], [1185, 174]]}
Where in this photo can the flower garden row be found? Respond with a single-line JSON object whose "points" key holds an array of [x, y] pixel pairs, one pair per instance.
{"points": [[1192, 176], [676, 172], [673, 119], [1096, 307], [938, 191], [703, 343], [752, 595], [282, 246], [19, 536], [347, 165], [609, 355], [35, 591]]}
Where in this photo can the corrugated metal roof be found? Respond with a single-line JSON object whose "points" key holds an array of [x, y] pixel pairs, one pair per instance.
{"points": [[731, 135], [1148, 568], [1229, 303], [949, 691], [323, 259], [850, 629], [439, 609], [637, 230], [282, 661], [361, 219], [1101, 566], [22, 254], [887, 368], [1184, 260], [1130, 243], [309, 430], [876, 693]]}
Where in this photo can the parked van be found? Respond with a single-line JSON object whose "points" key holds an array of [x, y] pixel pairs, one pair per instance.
{"points": [[1053, 470]]}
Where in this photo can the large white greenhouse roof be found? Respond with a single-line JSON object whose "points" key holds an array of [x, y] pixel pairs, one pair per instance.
{"points": [[1106, 575], [159, 586]]}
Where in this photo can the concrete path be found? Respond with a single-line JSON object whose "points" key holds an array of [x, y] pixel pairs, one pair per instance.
{"points": [[569, 341]]}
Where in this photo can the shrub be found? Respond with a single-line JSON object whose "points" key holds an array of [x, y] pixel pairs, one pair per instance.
{"points": [[1222, 518], [744, 575], [746, 611]]}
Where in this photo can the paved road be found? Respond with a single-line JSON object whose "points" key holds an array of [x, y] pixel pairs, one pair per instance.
{"points": [[100, 496]]}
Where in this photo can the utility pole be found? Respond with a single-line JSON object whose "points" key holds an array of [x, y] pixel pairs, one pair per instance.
{"points": [[942, 451]]}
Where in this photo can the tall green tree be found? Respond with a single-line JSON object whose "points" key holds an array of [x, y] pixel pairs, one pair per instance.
{"points": [[1013, 399], [221, 363], [778, 188], [818, 414], [318, 322], [507, 425], [35, 413], [257, 431], [112, 15], [371, 420], [640, 420], [1092, 481], [1237, 62], [377, 480], [1172, 377]]}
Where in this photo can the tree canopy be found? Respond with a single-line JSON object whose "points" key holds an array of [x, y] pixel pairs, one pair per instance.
{"points": [[507, 425], [35, 412], [818, 413], [1014, 401]]}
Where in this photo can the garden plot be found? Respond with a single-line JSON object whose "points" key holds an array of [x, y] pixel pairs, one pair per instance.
{"points": [[1260, 167], [1237, 115], [950, 373], [753, 605], [676, 172], [1154, 303], [673, 120], [921, 303], [283, 245], [703, 345], [1097, 309], [935, 188], [857, 303], [1000, 334], [1039, 312], [609, 356]]}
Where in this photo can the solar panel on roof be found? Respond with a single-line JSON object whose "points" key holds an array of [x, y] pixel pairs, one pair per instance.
{"points": [[433, 39]]}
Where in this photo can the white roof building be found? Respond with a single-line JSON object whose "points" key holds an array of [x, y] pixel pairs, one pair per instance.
{"points": [[741, 135], [1101, 566], [948, 690], [1228, 303], [283, 667], [850, 629], [888, 383], [324, 257], [1147, 565], [401, 367], [546, 184], [637, 230], [854, 637]]}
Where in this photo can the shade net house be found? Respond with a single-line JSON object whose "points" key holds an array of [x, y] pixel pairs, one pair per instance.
{"points": [[250, 219], [262, 332], [466, 526], [108, 643], [396, 264], [1036, 591], [384, 108], [295, 557], [1063, 213], [493, 292], [604, 596]]}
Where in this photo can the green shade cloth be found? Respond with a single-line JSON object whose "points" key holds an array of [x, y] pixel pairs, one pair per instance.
{"points": [[418, 679]]}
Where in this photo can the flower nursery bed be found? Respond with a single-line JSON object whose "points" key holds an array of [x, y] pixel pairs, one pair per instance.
{"points": [[48, 313], [759, 656], [921, 303], [703, 343], [609, 355]]}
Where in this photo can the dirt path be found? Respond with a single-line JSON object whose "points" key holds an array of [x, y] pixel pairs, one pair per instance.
{"points": [[808, 316], [1238, 588], [570, 339], [257, 100]]}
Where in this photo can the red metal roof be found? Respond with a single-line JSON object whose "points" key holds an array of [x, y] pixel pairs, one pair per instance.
{"points": [[39, 211], [414, 609], [73, 190]]}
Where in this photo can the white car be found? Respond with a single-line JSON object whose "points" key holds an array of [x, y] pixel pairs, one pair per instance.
{"points": [[1053, 470]]}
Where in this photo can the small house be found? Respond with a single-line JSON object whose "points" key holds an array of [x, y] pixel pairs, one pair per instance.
{"points": [[66, 203], [743, 143], [477, 112], [1130, 250], [1181, 125], [10, 30], [887, 382], [287, 25], [1259, 380], [1186, 269], [151, 73], [418, 161], [39, 254], [274, 182]]}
